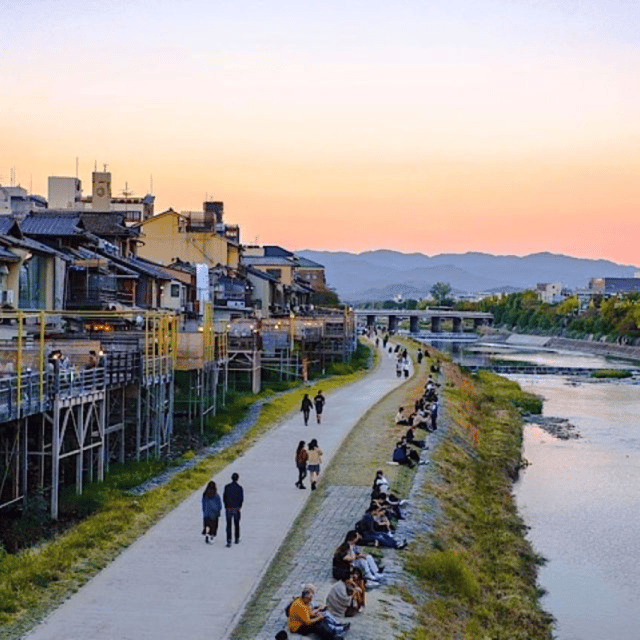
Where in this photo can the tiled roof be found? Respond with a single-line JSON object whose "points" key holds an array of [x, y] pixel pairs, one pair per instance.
{"points": [[53, 223], [6, 224], [265, 261], [305, 263], [261, 274], [150, 268], [274, 251], [6, 255], [107, 224]]}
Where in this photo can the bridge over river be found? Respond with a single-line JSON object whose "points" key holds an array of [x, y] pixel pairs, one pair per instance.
{"points": [[435, 316]]}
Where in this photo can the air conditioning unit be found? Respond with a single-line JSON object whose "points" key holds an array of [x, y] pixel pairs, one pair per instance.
{"points": [[7, 296]]}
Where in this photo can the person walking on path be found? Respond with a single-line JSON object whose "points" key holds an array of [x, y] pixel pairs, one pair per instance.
{"points": [[315, 458], [211, 508], [233, 497], [301, 462], [318, 402], [306, 407]]}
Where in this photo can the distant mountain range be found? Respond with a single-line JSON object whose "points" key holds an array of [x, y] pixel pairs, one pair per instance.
{"points": [[382, 274]]}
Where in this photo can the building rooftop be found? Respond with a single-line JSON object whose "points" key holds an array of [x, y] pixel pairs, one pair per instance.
{"points": [[53, 223]]}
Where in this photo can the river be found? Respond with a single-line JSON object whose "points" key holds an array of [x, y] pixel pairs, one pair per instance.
{"points": [[581, 500]]}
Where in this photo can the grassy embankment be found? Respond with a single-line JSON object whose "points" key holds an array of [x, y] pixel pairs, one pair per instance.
{"points": [[34, 581], [477, 570]]}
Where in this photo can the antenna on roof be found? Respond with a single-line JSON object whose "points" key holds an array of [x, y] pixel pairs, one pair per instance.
{"points": [[95, 166], [105, 167], [125, 192]]}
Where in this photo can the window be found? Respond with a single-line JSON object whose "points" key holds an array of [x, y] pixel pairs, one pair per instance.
{"points": [[31, 284], [276, 273], [175, 290]]}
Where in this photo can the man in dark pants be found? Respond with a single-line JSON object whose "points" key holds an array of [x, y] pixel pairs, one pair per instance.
{"points": [[233, 497]]}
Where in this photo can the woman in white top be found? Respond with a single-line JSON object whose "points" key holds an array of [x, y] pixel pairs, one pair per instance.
{"points": [[313, 462]]}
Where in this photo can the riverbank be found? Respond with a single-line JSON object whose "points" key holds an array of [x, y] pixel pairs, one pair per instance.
{"points": [[469, 570], [593, 347], [478, 571]]}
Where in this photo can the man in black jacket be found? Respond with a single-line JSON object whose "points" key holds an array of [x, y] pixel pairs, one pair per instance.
{"points": [[233, 497]]}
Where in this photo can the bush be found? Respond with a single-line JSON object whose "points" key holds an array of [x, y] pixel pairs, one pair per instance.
{"points": [[611, 373]]}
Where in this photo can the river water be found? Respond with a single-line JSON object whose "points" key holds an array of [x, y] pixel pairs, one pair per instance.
{"points": [[581, 500]]}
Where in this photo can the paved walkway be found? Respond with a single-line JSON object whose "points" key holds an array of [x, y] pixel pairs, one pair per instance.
{"points": [[169, 584]]}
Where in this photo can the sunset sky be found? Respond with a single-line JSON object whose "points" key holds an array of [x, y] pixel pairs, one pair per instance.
{"points": [[507, 126]]}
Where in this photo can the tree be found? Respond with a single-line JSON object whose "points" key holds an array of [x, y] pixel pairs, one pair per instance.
{"points": [[440, 292], [325, 297], [411, 304]]}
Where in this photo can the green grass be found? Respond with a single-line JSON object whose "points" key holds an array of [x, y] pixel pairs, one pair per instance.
{"points": [[476, 566], [611, 373], [447, 571]]}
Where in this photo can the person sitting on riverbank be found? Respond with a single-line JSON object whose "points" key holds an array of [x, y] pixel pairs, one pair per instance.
{"points": [[401, 457], [362, 561], [366, 527], [341, 601], [420, 420], [380, 483], [334, 624], [401, 419], [390, 506], [306, 620], [381, 491], [348, 556], [405, 456], [411, 439]]}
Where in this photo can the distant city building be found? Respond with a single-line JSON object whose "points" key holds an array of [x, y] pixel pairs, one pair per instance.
{"points": [[611, 286], [18, 202], [66, 193], [551, 292]]}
